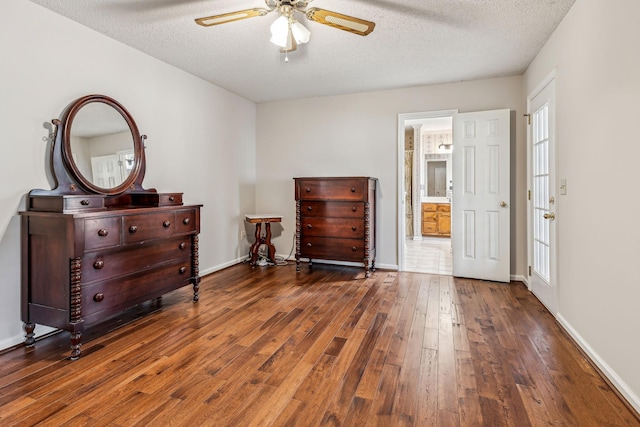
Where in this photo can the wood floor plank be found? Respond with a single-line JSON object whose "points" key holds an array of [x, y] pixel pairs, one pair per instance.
{"points": [[273, 347]]}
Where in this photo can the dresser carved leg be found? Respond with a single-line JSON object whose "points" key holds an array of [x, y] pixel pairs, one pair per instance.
{"points": [[29, 337], [373, 264], [298, 263], [195, 266], [76, 337]]}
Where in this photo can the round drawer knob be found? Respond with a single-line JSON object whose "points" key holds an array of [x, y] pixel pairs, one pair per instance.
{"points": [[166, 224], [185, 221], [84, 202], [308, 245], [182, 246], [102, 232], [354, 249], [309, 226], [309, 208], [133, 229], [98, 297], [183, 270], [98, 264], [308, 190], [353, 189], [172, 199], [353, 209], [353, 228]]}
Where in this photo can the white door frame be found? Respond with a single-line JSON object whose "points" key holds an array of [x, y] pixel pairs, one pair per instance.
{"points": [[402, 117], [551, 304]]}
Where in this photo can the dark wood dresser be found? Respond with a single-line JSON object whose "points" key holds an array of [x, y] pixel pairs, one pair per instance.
{"points": [[335, 220], [89, 253]]}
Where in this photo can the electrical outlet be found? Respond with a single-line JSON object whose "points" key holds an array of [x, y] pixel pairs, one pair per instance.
{"points": [[243, 235]]}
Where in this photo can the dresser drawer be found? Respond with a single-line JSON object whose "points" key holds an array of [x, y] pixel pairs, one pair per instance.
{"points": [[332, 248], [111, 296], [186, 221], [342, 189], [429, 227], [336, 209], [105, 264], [101, 232], [428, 207], [333, 227], [444, 207], [150, 226]]}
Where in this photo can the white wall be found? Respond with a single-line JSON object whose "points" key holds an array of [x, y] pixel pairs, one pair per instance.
{"points": [[201, 138], [356, 135], [594, 52]]}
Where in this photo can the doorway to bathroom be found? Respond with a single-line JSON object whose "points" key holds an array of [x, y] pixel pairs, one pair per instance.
{"points": [[426, 180]]}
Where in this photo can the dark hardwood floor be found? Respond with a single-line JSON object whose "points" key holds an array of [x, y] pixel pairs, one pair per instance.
{"points": [[267, 346]]}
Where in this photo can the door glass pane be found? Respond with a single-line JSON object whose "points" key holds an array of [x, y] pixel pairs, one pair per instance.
{"points": [[540, 196]]}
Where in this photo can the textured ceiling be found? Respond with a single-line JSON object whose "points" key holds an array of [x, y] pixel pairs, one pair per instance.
{"points": [[414, 42]]}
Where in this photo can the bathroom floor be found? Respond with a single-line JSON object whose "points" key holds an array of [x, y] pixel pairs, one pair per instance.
{"points": [[429, 255]]}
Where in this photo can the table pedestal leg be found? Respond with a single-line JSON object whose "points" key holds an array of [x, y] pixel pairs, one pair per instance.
{"points": [[253, 250]]}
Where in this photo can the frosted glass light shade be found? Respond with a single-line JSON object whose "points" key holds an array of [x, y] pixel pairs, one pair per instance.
{"points": [[280, 31], [300, 33]]}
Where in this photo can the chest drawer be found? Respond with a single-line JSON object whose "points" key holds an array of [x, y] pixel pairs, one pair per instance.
{"points": [[101, 232], [332, 248], [333, 227], [186, 221], [105, 264], [157, 225], [343, 189], [111, 296], [336, 209]]}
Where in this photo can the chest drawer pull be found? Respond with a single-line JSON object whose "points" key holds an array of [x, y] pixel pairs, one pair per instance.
{"points": [[182, 245], [185, 221], [133, 229], [98, 264], [353, 228], [172, 199], [98, 297], [353, 209], [166, 224], [84, 202], [102, 232], [309, 226], [353, 189], [308, 190], [354, 249], [308, 245], [309, 208], [183, 270]]}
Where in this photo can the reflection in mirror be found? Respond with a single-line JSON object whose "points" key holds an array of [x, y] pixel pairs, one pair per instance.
{"points": [[102, 145], [436, 173]]}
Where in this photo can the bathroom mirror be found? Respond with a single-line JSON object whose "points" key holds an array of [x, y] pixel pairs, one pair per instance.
{"points": [[102, 148]]}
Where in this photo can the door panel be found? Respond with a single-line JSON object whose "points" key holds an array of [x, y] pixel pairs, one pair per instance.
{"points": [[542, 206], [480, 206]]}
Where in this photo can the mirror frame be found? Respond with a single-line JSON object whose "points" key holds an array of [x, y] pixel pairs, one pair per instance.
{"points": [[138, 150]]}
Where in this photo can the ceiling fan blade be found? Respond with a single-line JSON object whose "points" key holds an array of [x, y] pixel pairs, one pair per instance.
{"points": [[340, 21], [230, 17]]}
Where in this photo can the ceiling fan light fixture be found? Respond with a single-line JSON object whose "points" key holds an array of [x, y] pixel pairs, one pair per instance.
{"points": [[300, 32], [280, 31]]}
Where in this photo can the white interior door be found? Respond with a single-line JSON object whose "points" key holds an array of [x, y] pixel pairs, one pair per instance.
{"points": [[480, 206], [106, 171], [542, 204]]}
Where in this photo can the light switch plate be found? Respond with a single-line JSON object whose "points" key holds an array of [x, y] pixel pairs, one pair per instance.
{"points": [[563, 187]]}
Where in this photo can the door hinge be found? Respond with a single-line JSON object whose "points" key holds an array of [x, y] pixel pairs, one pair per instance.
{"points": [[528, 194], [529, 270], [528, 116]]}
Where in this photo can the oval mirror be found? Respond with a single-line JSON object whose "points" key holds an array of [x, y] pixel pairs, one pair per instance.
{"points": [[101, 146]]}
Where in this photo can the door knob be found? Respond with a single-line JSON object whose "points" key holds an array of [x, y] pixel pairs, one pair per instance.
{"points": [[503, 204], [549, 216]]}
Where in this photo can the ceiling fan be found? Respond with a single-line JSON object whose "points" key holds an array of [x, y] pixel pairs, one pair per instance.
{"points": [[286, 31]]}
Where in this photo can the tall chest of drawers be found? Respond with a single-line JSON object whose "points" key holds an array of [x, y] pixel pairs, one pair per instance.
{"points": [[335, 220], [84, 267]]}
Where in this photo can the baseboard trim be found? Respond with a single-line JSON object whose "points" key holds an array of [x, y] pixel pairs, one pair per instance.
{"points": [[606, 371], [519, 278]]}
